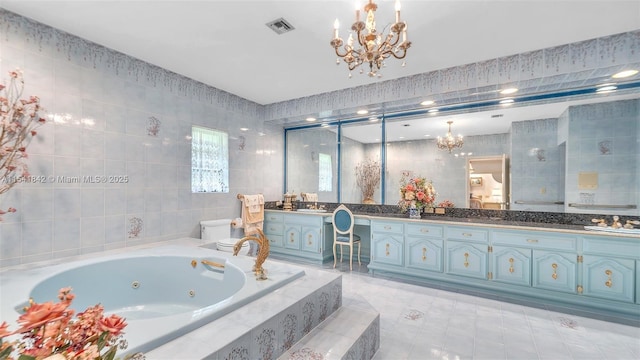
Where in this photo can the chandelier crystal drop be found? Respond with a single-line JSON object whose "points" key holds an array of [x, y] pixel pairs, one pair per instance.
{"points": [[449, 142], [366, 45]]}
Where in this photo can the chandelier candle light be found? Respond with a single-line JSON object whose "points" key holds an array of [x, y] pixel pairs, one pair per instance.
{"points": [[374, 47], [449, 142]]}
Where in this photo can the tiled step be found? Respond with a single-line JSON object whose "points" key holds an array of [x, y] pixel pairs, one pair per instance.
{"points": [[351, 332]]}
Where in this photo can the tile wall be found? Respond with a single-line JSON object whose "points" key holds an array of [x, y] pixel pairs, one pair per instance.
{"points": [[114, 116]]}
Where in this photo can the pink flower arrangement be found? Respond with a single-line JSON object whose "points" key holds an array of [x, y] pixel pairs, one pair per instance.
{"points": [[50, 331], [416, 192], [446, 204], [18, 122]]}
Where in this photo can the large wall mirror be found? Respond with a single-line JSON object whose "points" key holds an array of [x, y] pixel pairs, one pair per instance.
{"points": [[577, 155]]}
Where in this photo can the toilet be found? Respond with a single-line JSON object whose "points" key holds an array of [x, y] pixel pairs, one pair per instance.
{"points": [[220, 232]]}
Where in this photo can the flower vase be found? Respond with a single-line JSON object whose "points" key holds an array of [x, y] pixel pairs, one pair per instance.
{"points": [[414, 213]]}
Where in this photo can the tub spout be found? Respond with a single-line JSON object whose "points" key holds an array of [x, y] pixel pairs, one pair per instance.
{"points": [[212, 263]]}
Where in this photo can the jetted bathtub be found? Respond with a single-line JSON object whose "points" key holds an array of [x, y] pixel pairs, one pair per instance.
{"points": [[163, 292]]}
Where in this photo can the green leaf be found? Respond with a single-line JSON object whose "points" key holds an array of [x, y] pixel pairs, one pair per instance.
{"points": [[26, 357], [6, 352], [111, 354]]}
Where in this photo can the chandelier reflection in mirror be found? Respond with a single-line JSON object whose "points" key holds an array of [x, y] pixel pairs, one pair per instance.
{"points": [[449, 142], [373, 47]]}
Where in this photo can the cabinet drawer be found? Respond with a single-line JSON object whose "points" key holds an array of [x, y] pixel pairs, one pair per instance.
{"points": [[555, 271], [535, 239], [388, 227], [272, 216], [304, 219], [425, 230], [273, 228], [468, 234], [466, 259], [275, 240], [629, 248]]}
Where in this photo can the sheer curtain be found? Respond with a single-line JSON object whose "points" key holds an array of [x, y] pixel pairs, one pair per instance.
{"points": [[209, 160]]}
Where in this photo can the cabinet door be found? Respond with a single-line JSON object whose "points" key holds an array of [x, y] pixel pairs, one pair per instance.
{"points": [[424, 254], [292, 237], [386, 249], [467, 259], [555, 271], [311, 239], [511, 265], [609, 278]]}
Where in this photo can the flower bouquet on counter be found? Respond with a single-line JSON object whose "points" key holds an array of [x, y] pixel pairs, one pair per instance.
{"points": [[416, 192], [446, 204], [50, 331]]}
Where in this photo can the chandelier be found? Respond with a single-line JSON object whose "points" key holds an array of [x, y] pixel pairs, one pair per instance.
{"points": [[373, 46], [449, 142]]}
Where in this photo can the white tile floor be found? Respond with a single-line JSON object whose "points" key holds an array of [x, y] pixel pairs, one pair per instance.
{"points": [[419, 322]]}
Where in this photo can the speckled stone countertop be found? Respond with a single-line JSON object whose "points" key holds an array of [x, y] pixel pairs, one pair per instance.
{"points": [[495, 218]]}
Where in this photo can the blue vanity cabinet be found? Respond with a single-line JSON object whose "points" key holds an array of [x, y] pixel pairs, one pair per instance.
{"points": [[273, 229], [609, 268], [467, 251], [554, 270], [296, 235], [311, 239], [424, 247], [511, 265], [387, 243]]}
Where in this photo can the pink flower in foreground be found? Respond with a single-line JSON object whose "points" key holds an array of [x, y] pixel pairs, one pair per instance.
{"points": [[4, 329], [40, 314], [113, 324]]}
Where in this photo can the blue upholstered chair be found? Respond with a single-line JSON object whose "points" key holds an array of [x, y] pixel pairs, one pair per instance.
{"points": [[343, 234]]}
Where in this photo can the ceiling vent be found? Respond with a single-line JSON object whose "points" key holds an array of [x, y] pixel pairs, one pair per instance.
{"points": [[280, 26]]}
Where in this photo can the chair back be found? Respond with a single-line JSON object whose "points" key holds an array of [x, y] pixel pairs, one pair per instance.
{"points": [[342, 220]]}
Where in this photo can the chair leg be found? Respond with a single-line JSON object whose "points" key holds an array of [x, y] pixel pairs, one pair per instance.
{"points": [[335, 259], [351, 257], [359, 263]]}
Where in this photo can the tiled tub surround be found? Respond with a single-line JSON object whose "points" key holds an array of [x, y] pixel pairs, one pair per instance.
{"points": [[116, 115], [270, 324], [158, 290]]}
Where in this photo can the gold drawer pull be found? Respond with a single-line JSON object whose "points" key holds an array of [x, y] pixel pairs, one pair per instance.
{"points": [[466, 259], [511, 269], [609, 282], [424, 254], [423, 230], [467, 234], [532, 241], [387, 227], [387, 249], [555, 273], [309, 238], [291, 237]]}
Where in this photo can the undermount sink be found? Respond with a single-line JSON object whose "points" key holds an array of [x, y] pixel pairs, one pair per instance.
{"points": [[610, 229], [312, 210]]}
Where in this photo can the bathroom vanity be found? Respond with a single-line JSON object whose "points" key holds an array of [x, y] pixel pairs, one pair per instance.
{"points": [[559, 265]]}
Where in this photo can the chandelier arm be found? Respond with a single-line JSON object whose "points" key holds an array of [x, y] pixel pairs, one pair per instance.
{"points": [[346, 52], [404, 53]]}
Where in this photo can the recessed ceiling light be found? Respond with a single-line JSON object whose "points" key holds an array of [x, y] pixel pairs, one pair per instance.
{"points": [[624, 74], [508, 91], [427, 102], [362, 112], [506, 101], [373, 119], [606, 88], [244, 129], [426, 135], [310, 119], [433, 111], [325, 125]]}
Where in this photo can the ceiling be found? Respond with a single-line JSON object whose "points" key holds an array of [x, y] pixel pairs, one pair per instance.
{"points": [[226, 44]]}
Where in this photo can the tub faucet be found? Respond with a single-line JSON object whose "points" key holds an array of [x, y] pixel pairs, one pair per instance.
{"points": [[263, 252]]}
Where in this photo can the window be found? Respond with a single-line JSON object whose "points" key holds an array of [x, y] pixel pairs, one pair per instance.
{"points": [[209, 160], [325, 174]]}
